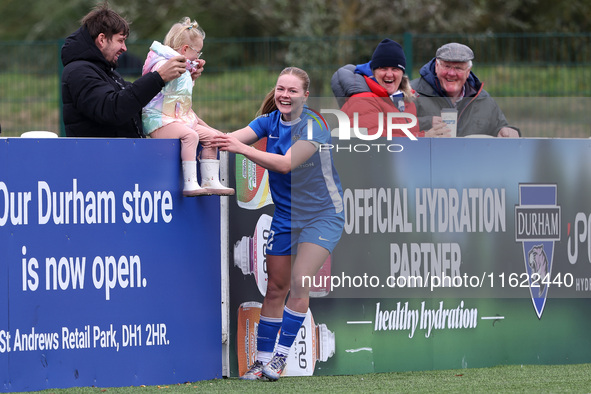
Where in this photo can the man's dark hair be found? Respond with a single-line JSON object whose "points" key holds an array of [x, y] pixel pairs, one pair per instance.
{"points": [[104, 20]]}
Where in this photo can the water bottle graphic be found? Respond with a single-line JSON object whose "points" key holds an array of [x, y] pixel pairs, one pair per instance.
{"points": [[250, 255], [249, 314], [314, 342], [252, 181]]}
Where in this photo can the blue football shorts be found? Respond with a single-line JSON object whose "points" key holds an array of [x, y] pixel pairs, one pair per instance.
{"points": [[285, 235]]}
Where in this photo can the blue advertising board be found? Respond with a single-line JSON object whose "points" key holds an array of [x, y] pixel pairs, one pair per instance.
{"points": [[109, 276]]}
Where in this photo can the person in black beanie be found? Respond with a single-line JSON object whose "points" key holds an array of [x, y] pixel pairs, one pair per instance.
{"points": [[388, 53], [377, 87]]}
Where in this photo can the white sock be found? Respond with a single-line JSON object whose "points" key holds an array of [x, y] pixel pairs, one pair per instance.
{"points": [[280, 349], [264, 357]]}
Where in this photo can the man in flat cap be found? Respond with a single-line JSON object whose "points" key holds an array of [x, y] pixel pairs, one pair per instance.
{"points": [[447, 82]]}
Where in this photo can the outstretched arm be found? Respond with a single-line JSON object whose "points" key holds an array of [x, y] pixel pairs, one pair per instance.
{"points": [[240, 140], [172, 68]]}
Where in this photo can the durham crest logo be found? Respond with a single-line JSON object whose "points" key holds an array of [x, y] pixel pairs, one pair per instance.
{"points": [[537, 226]]}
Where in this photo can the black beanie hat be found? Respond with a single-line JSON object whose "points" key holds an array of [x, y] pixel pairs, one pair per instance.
{"points": [[388, 53]]}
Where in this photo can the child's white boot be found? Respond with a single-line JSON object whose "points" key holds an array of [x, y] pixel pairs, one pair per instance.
{"points": [[191, 186], [210, 178]]}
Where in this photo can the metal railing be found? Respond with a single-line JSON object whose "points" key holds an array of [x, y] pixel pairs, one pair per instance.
{"points": [[240, 71]]}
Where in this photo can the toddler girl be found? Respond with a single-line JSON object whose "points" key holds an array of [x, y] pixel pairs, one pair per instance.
{"points": [[170, 113]]}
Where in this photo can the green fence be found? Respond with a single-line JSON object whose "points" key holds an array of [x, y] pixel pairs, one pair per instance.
{"points": [[240, 71]]}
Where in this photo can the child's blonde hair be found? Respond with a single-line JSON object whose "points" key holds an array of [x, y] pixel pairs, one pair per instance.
{"points": [[183, 32]]}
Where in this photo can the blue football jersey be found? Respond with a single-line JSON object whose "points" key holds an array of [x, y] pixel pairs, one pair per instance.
{"points": [[314, 187]]}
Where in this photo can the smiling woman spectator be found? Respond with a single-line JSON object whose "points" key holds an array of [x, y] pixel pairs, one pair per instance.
{"points": [[374, 89]]}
